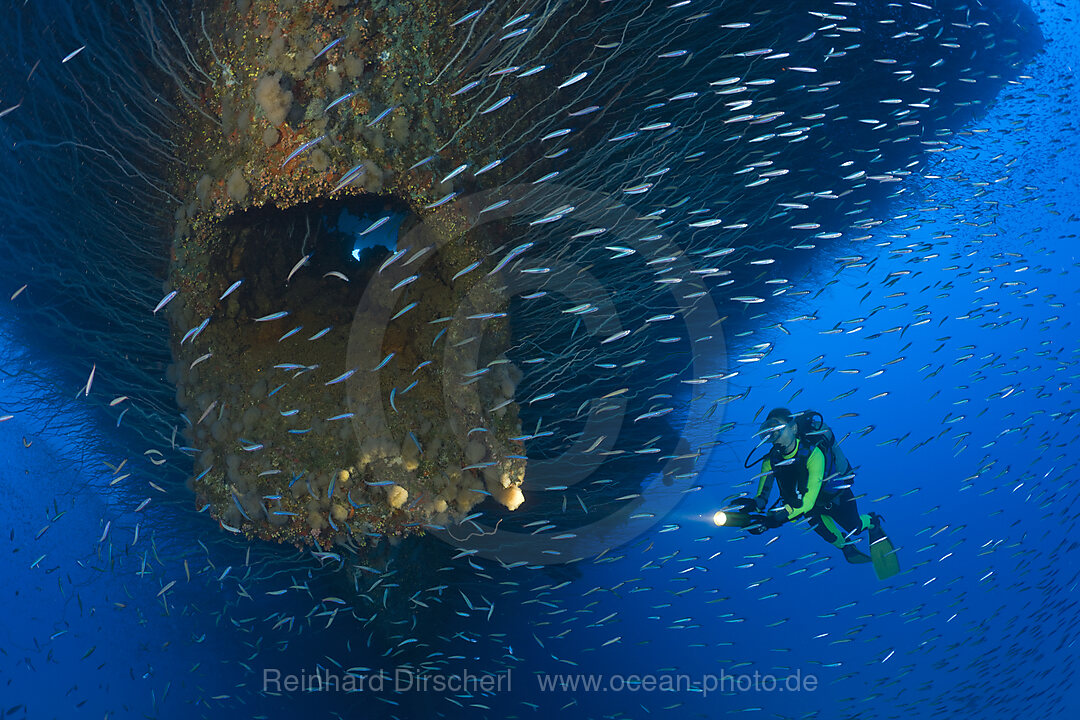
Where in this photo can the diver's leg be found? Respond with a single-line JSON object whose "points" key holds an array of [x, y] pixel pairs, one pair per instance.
{"points": [[875, 520], [827, 527], [845, 512], [882, 552]]}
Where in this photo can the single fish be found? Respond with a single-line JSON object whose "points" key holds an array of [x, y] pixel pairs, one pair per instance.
{"points": [[496, 105], [463, 89], [327, 49], [425, 161], [392, 259], [343, 416], [491, 165], [201, 358], [440, 202], [467, 16], [344, 376], [454, 173], [510, 256], [164, 301], [382, 364], [404, 310], [300, 263], [585, 111], [231, 289], [375, 225], [292, 332], [302, 149], [90, 380], [494, 206], [468, 269], [383, 114], [573, 79], [340, 100], [72, 54], [514, 34], [407, 281]]}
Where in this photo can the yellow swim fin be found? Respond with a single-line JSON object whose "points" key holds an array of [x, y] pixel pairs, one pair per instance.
{"points": [[882, 552]]}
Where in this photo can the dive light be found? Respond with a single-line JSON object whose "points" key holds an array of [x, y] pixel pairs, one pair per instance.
{"points": [[744, 513], [726, 518]]}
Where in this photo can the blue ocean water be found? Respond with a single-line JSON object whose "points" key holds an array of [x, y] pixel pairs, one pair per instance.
{"points": [[940, 346]]}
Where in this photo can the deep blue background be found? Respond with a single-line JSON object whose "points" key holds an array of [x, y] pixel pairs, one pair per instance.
{"points": [[982, 623]]}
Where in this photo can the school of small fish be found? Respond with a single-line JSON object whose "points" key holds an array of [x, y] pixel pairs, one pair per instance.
{"points": [[458, 312]]}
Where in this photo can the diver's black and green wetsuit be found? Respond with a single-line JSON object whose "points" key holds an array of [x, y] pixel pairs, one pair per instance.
{"points": [[828, 503], [814, 480]]}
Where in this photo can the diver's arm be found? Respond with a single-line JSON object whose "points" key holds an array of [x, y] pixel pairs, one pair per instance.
{"points": [[765, 483], [815, 470]]}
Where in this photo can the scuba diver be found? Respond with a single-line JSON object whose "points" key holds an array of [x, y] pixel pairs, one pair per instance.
{"points": [[814, 481]]}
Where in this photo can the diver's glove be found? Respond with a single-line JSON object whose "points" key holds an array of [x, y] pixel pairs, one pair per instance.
{"points": [[775, 518], [757, 528], [746, 504]]}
